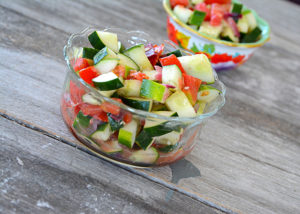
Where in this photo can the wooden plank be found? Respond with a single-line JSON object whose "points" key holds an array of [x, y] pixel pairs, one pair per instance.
{"points": [[40, 174], [262, 141]]}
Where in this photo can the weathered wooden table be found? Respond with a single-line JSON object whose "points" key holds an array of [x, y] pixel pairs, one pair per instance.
{"points": [[248, 160]]}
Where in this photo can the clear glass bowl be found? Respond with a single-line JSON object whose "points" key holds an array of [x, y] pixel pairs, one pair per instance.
{"points": [[75, 87]]}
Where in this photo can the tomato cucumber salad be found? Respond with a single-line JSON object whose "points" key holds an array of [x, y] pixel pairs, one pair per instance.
{"points": [[142, 77], [221, 19]]}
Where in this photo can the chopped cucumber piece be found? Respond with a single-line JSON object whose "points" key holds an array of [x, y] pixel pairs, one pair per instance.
{"points": [[158, 127], [148, 156], [107, 93], [110, 147], [170, 138], [168, 148], [120, 47], [138, 55], [252, 36], [200, 107], [182, 13], [106, 65], [138, 103], [172, 75], [177, 53], [154, 90], [197, 18], [251, 20], [180, 103], [159, 107], [207, 93], [114, 124], [81, 120], [102, 133], [89, 53], [208, 29], [100, 39], [90, 99], [127, 134], [237, 8], [131, 88], [104, 53], [144, 140], [198, 66], [228, 33], [127, 62], [242, 25], [107, 82]]}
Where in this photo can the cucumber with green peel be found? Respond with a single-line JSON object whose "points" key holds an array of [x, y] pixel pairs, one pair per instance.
{"points": [[104, 53], [110, 147], [127, 62], [168, 148], [177, 53], [154, 90], [228, 33], [209, 30], [197, 18], [148, 156], [237, 8], [180, 103], [102, 133], [81, 121], [144, 140], [172, 75], [157, 127], [207, 93], [90, 99], [107, 93], [131, 88], [138, 55], [89, 53], [128, 133], [198, 66], [121, 47], [170, 138], [100, 39], [106, 65], [159, 107], [107, 82], [182, 13], [138, 103], [252, 36], [114, 124]]}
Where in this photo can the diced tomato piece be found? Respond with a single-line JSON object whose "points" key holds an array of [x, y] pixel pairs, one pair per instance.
{"points": [[81, 63], [204, 8], [179, 2], [111, 108], [102, 116], [88, 74], [127, 117], [217, 1], [136, 75], [76, 92], [153, 52], [191, 87], [89, 109], [172, 60], [216, 19], [119, 70]]}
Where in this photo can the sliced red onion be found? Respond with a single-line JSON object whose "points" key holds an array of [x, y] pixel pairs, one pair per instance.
{"points": [[169, 86], [233, 26]]}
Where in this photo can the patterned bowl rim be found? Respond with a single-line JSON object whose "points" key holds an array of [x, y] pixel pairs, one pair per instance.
{"points": [[261, 22]]}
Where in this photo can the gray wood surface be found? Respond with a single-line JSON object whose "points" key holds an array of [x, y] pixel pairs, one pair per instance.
{"points": [[248, 156]]}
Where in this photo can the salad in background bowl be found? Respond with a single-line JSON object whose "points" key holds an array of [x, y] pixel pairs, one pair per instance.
{"points": [[134, 101], [226, 31]]}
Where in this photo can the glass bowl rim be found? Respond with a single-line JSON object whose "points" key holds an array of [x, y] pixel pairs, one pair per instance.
{"points": [[265, 38], [142, 113]]}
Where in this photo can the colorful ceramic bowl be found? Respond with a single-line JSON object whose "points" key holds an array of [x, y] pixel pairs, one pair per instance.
{"points": [[223, 54]]}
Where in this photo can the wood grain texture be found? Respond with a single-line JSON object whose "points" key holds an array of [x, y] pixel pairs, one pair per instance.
{"points": [[42, 175], [250, 164]]}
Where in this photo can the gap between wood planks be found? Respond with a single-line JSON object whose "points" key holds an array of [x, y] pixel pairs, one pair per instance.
{"points": [[129, 169]]}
